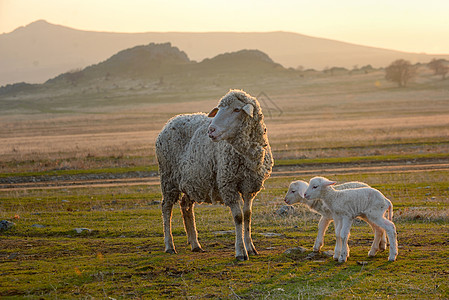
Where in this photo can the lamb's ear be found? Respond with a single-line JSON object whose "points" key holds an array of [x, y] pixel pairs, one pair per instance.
{"points": [[328, 182], [302, 188], [249, 109], [213, 112]]}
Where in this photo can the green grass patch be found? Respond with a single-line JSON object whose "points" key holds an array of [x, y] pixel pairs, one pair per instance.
{"points": [[122, 255], [82, 172], [359, 159]]}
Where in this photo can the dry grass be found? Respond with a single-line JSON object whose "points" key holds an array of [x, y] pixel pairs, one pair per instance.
{"points": [[333, 116]]}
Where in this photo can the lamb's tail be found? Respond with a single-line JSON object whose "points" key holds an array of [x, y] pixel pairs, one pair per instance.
{"points": [[390, 210]]}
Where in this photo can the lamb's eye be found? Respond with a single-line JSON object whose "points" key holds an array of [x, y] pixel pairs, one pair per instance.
{"points": [[315, 187], [293, 191], [237, 109]]}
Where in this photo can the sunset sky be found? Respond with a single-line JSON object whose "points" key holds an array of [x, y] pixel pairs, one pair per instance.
{"points": [[406, 25]]}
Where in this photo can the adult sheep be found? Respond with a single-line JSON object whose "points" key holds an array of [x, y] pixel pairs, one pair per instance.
{"points": [[221, 160]]}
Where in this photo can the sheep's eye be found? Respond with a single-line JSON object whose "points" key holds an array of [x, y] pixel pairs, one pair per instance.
{"points": [[237, 109], [293, 191], [315, 186]]}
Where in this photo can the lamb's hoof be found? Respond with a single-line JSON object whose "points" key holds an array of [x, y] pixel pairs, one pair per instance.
{"points": [[335, 258], [341, 261], [242, 257], [198, 249], [171, 251], [372, 253]]}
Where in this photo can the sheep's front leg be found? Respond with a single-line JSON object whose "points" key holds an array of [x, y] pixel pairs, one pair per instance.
{"points": [[322, 227], [344, 236], [188, 216], [240, 249], [247, 211]]}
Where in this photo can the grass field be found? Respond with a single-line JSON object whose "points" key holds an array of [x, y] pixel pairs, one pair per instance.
{"points": [[347, 127]]}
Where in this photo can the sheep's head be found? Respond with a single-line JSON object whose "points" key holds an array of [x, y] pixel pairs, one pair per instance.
{"points": [[316, 187], [234, 110], [295, 192]]}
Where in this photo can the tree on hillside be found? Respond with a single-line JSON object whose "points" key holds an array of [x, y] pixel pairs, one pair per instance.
{"points": [[439, 67], [400, 71]]}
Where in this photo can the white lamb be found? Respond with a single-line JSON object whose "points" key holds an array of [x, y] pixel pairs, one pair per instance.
{"points": [[295, 194], [346, 205]]}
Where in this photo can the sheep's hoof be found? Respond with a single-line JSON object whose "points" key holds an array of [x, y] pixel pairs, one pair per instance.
{"points": [[242, 257], [171, 251], [391, 258], [253, 252], [198, 249]]}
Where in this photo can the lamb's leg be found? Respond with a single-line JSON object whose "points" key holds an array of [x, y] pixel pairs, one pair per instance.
{"points": [[240, 249], [344, 235], [337, 250], [379, 242], [247, 205], [390, 229], [188, 215], [322, 227], [170, 197]]}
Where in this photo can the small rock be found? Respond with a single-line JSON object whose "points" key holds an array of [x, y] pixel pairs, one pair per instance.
{"points": [[5, 224], [79, 230], [362, 263], [329, 253], [295, 250], [312, 255], [270, 234], [65, 201], [13, 255], [38, 226], [285, 210], [224, 232]]}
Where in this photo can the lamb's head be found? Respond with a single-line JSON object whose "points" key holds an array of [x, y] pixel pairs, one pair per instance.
{"points": [[317, 185], [234, 112], [295, 192]]}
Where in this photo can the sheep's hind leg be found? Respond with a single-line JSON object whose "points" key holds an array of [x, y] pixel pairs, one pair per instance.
{"points": [[188, 216], [247, 226], [322, 227], [167, 207]]}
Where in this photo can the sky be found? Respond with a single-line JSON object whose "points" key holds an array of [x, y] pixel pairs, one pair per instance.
{"points": [[405, 25]]}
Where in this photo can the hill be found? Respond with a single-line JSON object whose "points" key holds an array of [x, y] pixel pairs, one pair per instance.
{"points": [[149, 69], [41, 50]]}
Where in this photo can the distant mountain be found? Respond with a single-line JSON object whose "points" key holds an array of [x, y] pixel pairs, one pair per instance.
{"points": [[40, 50]]}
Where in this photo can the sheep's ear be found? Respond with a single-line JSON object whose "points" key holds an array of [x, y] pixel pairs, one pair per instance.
{"points": [[213, 112], [249, 109]]}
